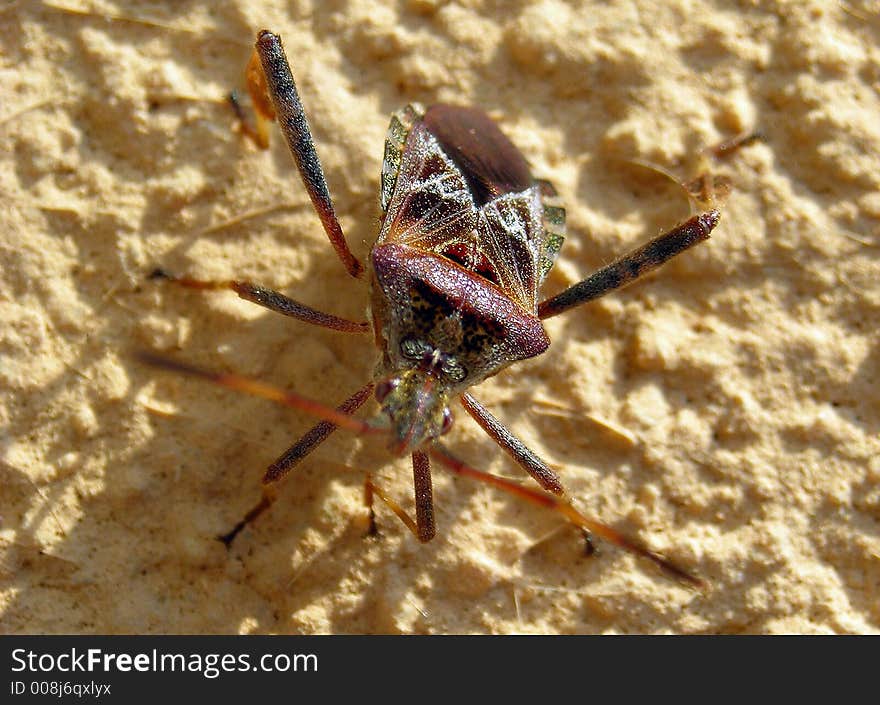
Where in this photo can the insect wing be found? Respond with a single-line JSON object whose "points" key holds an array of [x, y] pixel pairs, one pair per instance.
{"points": [[488, 160], [509, 233], [402, 122], [453, 184], [431, 205]]}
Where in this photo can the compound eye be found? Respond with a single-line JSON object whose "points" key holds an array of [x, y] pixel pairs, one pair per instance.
{"points": [[453, 369], [384, 388], [447, 422], [414, 349]]}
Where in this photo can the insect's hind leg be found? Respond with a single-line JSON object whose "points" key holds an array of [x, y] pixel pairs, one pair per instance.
{"points": [[633, 265], [522, 454], [706, 190], [268, 298], [264, 113]]}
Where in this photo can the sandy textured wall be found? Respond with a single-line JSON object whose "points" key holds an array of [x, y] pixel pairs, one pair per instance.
{"points": [[725, 410]]}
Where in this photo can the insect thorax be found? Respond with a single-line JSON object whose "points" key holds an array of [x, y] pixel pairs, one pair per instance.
{"points": [[428, 314]]}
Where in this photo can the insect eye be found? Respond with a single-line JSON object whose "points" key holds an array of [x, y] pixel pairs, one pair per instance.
{"points": [[447, 422], [413, 349], [453, 369], [384, 388]]}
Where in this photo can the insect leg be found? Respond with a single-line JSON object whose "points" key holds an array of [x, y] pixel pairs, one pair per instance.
{"points": [[564, 507], [733, 144], [371, 490], [423, 528], [291, 457], [276, 81], [633, 264], [424, 495], [514, 447], [266, 501], [313, 438], [258, 132], [707, 188], [268, 299], [264, 113]]}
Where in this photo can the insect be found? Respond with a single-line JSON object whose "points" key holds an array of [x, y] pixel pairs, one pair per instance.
{"points": [[466, 240]]}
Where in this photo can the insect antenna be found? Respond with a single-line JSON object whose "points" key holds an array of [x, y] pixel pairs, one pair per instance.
{"points": [[314, 437], [255, 388]]}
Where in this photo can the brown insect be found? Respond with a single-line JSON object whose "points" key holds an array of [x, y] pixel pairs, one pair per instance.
{"points": [[467, 238]]}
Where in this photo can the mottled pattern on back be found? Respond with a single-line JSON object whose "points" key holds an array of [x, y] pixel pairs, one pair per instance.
{"points": [[398, 130], [511, 240], [554, 227]]}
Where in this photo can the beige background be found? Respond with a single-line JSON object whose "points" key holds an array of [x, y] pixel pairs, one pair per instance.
{"points": [[724, 410]]}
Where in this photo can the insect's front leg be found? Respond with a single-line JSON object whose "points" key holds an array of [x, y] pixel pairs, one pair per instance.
{"points": [[291, 457], [424, 494], [267, 499], [423, 528]]}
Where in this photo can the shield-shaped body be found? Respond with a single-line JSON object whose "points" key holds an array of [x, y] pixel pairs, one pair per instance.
{"points": [[467, 237]]}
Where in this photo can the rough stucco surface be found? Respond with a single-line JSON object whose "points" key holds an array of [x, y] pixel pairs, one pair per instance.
{"points": [[726, 410]]}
